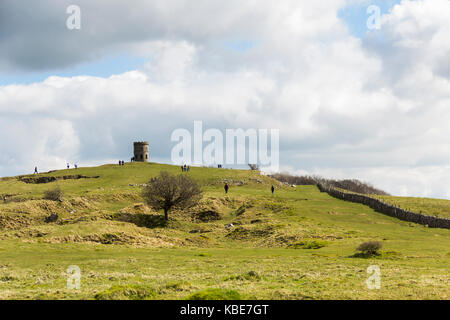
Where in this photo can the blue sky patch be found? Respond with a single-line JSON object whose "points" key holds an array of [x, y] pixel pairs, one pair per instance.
{"points": [[356, 15], [103, 67]]}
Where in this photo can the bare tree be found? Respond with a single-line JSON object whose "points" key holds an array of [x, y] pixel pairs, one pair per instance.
{"points": [[168, 191]]}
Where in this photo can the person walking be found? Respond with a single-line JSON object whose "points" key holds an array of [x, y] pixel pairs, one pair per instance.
{"points": [[272, 189], [226, 187], [35, 170]]}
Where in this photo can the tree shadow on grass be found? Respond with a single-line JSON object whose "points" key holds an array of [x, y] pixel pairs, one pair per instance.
{"points": [[143, 220], [365, 255]]}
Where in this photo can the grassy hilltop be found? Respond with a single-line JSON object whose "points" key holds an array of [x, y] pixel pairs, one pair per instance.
{"points": [[297, 244]]}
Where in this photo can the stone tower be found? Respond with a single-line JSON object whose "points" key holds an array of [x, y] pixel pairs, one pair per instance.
{"points": [[141, 151]]}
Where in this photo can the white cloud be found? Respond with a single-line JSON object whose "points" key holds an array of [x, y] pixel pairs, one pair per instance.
{"points": [[426, 181], [371, 109], [35, 141]]}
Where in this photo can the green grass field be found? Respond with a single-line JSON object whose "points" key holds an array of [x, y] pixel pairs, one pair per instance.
{"points": [[431, 207], [125, 251]]}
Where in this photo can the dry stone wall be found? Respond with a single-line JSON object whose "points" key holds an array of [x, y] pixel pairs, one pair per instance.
{"points": [[386, 208]]}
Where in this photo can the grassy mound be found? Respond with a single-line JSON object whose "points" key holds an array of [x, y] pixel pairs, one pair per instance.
{"points": [[130, 292], [308, 244], [250, 276], [104, 227], [215, 294]]}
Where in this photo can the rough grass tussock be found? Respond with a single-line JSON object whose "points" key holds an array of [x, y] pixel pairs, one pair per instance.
{"points": [[215, 294], [119, 243], [130, 292]]}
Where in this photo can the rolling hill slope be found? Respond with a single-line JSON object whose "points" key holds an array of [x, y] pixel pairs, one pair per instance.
{"points": [[104, 227]]}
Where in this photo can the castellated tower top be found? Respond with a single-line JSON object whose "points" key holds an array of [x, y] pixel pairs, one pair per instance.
{"points": [[141, 151]]}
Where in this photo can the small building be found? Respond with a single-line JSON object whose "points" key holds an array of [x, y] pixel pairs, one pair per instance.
{"points": [[141, 151]]}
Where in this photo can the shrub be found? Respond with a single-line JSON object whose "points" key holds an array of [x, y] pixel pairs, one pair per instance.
{"points": [[55, 194], [370, 248], [352, 185], [215, 294]]}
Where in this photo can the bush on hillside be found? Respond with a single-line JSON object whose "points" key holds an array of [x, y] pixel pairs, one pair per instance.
{"points": [[352, 185], [55, 194], [297, 180], [370, 248]]}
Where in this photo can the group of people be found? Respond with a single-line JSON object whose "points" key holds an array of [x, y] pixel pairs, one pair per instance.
{"points": [[121, 163], [67, 166], [226, 187], [184, 168]]}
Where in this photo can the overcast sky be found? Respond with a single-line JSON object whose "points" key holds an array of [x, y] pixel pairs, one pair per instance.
{"points": [[349, 102]]}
